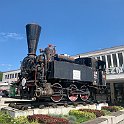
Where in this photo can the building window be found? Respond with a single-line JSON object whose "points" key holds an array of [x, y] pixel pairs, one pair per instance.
{"points": [[5, 76], [109, 61], [114, 60], [12, 75], [120, 57], [8, 76], [103, 58], [15, 75], [98, 58], [19, 75]]}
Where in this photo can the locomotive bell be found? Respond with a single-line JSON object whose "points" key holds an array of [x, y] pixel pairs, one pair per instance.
{"points": [[33, 34]]}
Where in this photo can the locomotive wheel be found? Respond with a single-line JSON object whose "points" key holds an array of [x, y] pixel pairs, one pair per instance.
{"points": [[58, 92], [72, 93], [85, 93]]}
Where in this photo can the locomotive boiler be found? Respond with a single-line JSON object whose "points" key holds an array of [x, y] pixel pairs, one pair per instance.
{"points": [[54, 76]]}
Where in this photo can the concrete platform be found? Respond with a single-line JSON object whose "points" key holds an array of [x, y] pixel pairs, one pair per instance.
{"points": [[115, 118], [5, 99], [12, 99], [49, 110]]}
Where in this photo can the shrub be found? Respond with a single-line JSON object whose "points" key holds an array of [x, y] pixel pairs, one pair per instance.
{"points": [[98, 113], [72, 119], [112, 108], [118, 107], [109, 108], [58, 115], [46, 119], [24, 120], [82, 116], [5, 118], [106, 112]]}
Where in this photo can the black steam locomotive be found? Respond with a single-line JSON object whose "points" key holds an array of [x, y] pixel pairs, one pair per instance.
{"points": [[59, 76]]}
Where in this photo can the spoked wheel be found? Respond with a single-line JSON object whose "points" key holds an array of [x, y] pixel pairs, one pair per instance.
{"points": [[58, 92], [72, 95], [85, 93]]}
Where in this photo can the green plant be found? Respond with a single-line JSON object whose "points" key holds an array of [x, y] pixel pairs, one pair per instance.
{"points": [[82, 116], [109, 108], [98, 113], [72, 119], [112, 108], [24, 120], [5, 118], [106, 112], [118, 107], [58, 115]]}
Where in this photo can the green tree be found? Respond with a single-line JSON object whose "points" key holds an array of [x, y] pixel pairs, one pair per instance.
{"points": [[1, 75]]}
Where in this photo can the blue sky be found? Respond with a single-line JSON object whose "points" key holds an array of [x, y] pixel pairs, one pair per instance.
{"points": [[73, 26]]}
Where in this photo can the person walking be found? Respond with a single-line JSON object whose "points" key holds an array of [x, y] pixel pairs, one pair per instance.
{"points": [[23, 87]]}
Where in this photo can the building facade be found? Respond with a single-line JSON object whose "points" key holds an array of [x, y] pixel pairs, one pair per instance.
{"points": [[10, 76], [114, 58]]}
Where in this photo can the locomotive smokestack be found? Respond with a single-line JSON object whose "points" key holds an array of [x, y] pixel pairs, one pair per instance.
{"points": [[33, 33]]}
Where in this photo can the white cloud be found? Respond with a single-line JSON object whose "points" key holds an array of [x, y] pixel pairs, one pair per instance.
{"points": [[6, 36], [6, 65]]}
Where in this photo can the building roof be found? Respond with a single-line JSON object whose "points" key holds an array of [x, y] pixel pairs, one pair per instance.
{"points": [[11, 71], [102, 51]]}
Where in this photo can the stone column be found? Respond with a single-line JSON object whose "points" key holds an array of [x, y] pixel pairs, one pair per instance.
{"points": [[100, 57], [106, 61], [112, 92], [117, 59], [123, 57], [112, 60]]}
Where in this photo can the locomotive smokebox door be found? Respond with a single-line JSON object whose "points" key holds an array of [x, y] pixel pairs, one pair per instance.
{"points": [[70, 71]]}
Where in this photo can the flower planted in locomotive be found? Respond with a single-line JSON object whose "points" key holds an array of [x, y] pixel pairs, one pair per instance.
{"points": [[57, 76]]}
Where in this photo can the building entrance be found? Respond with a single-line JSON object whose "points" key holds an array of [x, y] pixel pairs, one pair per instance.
{"points": [[119, 92]]}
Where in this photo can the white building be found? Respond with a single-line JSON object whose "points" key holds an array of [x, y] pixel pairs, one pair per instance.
{"points": [[10, 76], [114, 58]]}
